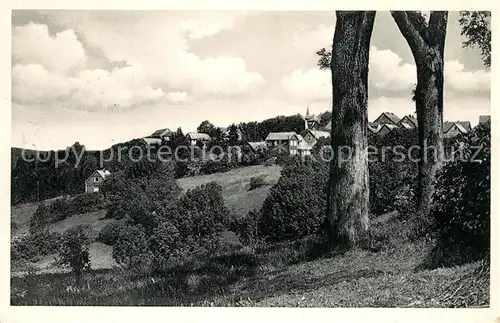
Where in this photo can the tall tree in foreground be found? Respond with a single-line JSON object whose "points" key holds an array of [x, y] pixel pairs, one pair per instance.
{"points": [[348, 189], [426, 41]]}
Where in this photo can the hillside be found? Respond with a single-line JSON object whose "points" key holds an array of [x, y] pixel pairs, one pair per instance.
{"points": [[234, 183]]}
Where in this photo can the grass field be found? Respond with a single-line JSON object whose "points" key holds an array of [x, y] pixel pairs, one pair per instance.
{"points": [[282, 275], [235, 185]]}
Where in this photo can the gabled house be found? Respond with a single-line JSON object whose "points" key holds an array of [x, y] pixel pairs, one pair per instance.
{"points": [[452, 129], [304, 148], [258, 147], [282, 143], [195, 138], [163, 134], [312, 136], [408, 122], [386, 128], [484, 119], [152, 142], [387, 118], [328, 127], [93, 183]]}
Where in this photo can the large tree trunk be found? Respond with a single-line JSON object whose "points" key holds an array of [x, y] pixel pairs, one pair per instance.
{"points": [[427, 45], [348, 189]]}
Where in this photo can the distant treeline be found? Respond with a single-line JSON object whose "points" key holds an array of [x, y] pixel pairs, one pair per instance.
{"points": [[48, 177]]}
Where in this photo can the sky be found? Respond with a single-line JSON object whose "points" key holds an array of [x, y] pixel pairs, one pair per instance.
{"points": [[105, 77]]}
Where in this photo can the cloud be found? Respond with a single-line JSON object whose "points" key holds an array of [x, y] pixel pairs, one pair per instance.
{"points": [[176, 97], [307, 86], [387, 76], [32, 44], [388, 72], [159, 43], [87, 90], [459, 80]]}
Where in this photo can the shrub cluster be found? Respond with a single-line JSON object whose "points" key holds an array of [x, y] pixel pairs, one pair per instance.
{"points": [[296, 204], [161, 235], [33, 246], [462, 201]]}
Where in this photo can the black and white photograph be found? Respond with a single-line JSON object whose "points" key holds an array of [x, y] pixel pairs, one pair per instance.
{"points": [[231, 158]]}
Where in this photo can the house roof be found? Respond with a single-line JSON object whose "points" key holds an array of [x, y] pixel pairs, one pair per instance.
{"points": [[152, 141], [328, 126], [256, 146], [463, 126], [484, 119], [161, 132], [374, 128], [319, 134], [410, 120], [198, 136], [281, 135], [101, 172], [391, 116], [388, 126], [407, 125]]}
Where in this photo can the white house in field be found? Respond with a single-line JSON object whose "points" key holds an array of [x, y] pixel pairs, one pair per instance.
{"points": [[95, 180]]}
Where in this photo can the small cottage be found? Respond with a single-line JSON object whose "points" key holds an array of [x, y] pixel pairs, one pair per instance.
{"points": [[93, 183], [312, 136], [408, 122], [164, 134], [195, 138], [282, 142], [453, 129]]}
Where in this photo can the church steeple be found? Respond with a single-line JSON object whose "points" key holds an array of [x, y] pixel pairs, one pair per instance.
{"points": [[307, 113]]}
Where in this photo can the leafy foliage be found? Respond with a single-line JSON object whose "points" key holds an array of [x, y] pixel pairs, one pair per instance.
{"points": [[33, 246], [74, 251], [296, 205], [476, 27], [131, 248], [462, 199]]}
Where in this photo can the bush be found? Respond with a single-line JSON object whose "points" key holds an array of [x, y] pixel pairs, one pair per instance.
{"points": [[270, 161], [131, 248], [74, 251], [393, 176], [256, 182], [296, 205], [33, 246], [247, 228], [462, 201], [110, 233]]}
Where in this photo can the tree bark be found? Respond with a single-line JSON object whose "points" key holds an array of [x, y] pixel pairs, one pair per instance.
{"points": [[348, 189], [427, 46]]}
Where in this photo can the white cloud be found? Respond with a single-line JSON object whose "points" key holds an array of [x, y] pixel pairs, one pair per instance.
{"points": [[387, 72], [460, 80], [89, 89], [306, 86], [32, 44], [207, 24], [176, 97]]}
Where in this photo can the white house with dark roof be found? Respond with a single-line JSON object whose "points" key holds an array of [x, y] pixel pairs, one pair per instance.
{"points": [[197, 137], [312, 136], [93, 183]]}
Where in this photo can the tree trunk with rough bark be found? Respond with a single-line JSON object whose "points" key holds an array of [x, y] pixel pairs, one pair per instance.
{"points": [[427, 45], [348, 189]]}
